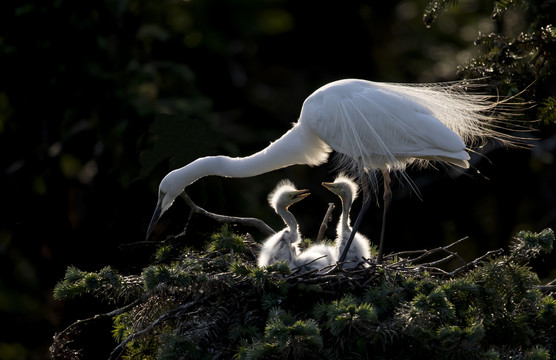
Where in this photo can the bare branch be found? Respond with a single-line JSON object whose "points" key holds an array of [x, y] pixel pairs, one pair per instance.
{"points": [[72, 327], [476, 261], [118, 349], [547, 288], [324, 225], [253, 222], [426, 252], [440, 261]]}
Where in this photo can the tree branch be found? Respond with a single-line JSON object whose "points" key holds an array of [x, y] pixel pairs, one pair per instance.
{"points": [[118, 349], [253, 222], [324, 225], [57, 339], [476, 261]]}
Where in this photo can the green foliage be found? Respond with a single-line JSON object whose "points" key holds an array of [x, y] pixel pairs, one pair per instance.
{"points": [[225, 241], [435, 9], [528, 245], [547, 110], [175, 347], [201, 306], [105, 284], [517, 59], [285, 337], [163, 254], [348, 316]]}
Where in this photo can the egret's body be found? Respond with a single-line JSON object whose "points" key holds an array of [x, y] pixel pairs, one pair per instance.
{"points": [[359, 250], [282, 245], [371, 125]]}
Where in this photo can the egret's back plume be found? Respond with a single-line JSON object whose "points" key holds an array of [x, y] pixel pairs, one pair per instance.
{"points": [[372, 126]]}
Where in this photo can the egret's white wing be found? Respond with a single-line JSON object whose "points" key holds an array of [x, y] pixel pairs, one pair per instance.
{"points": [[379, 126]]}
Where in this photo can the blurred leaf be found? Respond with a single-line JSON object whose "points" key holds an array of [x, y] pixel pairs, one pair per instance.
{"points": [[275, 21], [547, 111]]}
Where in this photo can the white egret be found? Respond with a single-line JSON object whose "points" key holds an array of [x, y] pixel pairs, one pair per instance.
{"points": [[282, 245], [359, 250], [373, 126]]}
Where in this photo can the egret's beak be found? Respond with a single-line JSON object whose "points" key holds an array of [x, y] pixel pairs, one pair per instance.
{"points": [[154, 220], [328, 185]]}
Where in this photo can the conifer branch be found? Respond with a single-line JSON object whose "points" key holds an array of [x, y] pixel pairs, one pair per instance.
{"points": [[247, 221], [118, 349]]}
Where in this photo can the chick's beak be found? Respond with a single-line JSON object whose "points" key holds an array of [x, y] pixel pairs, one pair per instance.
{"points": [[302, 194], [328, 185]]}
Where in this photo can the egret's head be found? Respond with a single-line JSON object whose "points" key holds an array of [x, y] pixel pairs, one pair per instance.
{"points": [[168, 191], [344, 187], [285, 194]]}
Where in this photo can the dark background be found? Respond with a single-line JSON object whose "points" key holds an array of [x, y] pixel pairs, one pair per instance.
{"points": [[98, 100]]}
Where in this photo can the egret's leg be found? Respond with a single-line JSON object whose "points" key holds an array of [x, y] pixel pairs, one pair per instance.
{"points": [[387, 198], [362, 212]]}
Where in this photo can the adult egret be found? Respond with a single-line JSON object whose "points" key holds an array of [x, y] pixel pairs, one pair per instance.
{"points": [[373, 126], [347, 190], [282, 245]]}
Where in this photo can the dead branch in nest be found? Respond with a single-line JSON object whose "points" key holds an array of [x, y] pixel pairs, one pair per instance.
{"points": [[363, 276], [424, 253], [476, 261], [299, 268], [248, 221], [324, 225]]}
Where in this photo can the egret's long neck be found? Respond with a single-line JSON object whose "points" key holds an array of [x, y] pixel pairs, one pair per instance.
{"points": [[297, 146], [343, 223], [289, 219]]}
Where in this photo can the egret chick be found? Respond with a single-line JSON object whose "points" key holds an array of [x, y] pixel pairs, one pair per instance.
{"points": [[282, 245], [347, 190], [315, 257]]}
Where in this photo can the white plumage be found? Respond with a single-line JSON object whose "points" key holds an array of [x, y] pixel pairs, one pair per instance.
{"points": [[373, 126], [283, 246], [381, 127], [359, 250], [315, 257]]}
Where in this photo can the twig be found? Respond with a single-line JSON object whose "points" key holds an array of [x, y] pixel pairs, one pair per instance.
{"points": [[250, 241], [425, 251], [118, 349], [476, 261], [440, 261], [307, 263], [547, 288], [110, 314], [253, 222], [324, 225]]}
